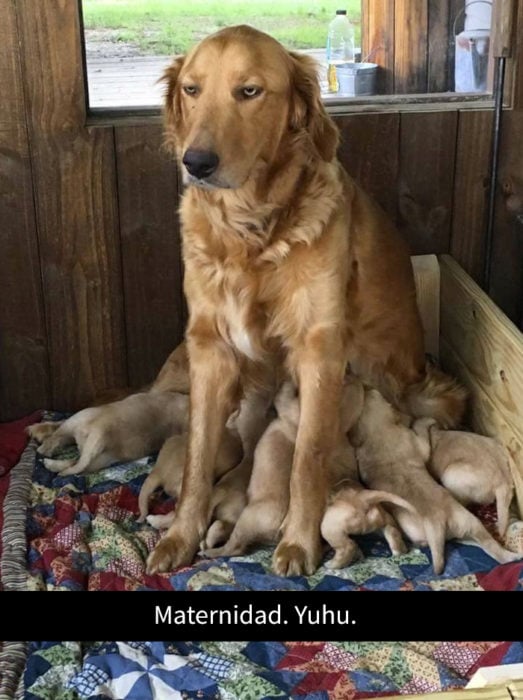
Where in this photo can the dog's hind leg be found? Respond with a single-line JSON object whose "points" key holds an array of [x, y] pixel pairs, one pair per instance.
{"points": [[504, 495], [435, 534], [62, 437], [218, 533], [58, 465], [152, 482], [393, 536], [466, 525], [92, 459]]}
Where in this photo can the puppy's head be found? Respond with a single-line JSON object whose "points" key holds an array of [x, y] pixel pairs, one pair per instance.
{"points": [[237, 103]]}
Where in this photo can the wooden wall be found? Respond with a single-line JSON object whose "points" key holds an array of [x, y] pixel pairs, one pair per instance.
{"points": [[91, 283]]}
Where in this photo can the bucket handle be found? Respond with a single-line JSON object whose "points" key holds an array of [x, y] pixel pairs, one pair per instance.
{"points": [[464, 9]]}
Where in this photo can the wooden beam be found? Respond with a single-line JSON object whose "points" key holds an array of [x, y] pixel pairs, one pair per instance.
{"points": [[378, 40], [438, 39], [24, 366], [410, 46], [151, 257], [75, 184]]}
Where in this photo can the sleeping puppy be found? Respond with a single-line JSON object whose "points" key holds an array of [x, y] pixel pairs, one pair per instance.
{"points": [[391, 457], [122, 431], [474, 468], [354, 510], [268, 493]]}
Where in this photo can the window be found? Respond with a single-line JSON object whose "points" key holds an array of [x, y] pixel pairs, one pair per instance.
{"points": [[405, 46]]}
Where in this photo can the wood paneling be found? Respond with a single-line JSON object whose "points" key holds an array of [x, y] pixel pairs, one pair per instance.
{"points": [[470, 191], [24, 368], [410, 54], [367, 139], [75, 184], [427, 147], [438, 40], [150, 245]]}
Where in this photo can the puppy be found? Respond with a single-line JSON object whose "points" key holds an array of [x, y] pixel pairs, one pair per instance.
{"points": [[474, 468], [268, 492], [122, 431], [168, 471], [391, 457], [354, 510]]}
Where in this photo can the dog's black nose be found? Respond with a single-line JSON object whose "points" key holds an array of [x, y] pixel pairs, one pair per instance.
{"points": [[201, 164]]}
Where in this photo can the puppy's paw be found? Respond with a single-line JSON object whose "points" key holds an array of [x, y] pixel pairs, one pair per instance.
{"points": [[170, 553], [291, 559], [399, 548], [159, 522], [344, 558], [59, 466]]}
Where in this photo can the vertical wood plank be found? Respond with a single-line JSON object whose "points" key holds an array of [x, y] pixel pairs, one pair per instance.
{"points": [[470, 190], [74, 178], [410, 50], [438, 39], [151, 257], [378, 40], [368, 139], [24, 367], [427, 151]]}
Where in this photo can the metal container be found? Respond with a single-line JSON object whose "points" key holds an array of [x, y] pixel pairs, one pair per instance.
{"points": [[356, 79]]}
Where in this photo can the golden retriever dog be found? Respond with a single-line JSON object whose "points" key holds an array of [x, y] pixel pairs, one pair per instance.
{"points": [[392, 457], [288, 266], [120, 431], [474, 468]]}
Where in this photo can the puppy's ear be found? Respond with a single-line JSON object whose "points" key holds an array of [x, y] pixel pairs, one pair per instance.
{"points": [[307, 111], [172, 110]]}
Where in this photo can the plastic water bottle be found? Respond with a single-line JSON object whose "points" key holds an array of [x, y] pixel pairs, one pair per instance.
{"points": [[340, 46]]}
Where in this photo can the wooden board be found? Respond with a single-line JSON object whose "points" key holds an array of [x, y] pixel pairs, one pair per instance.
{"points": [[410, 54], [377, 39], [77, 215], [367, 139], [427, 147], [485, 350], [471, 190], [150, 244], [439, 64], [24, 368], [495, 692], [427, 279]]}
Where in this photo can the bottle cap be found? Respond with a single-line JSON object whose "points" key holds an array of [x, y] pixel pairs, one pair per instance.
{"points": [[341, 12]]}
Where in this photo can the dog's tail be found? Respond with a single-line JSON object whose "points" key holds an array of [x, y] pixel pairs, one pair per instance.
{"points": [[437, 396], [372, 498], [149, 485], [435, 534]]}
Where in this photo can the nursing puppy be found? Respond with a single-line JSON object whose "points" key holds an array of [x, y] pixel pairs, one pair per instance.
{"points": [[474, 468], [167, 473], [391, 457], [122, 431], [268, 493], [288, 264], [354, 510]]}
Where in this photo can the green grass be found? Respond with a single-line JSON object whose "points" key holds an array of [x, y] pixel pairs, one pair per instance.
{"points": [[169, 26]]}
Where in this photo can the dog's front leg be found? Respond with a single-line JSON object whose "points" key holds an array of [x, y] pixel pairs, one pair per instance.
{"points": [[319, 366], [214, 383]]}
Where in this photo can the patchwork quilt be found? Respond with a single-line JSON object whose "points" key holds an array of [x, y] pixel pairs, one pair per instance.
{"points": [[82, 533], [254, 670]]}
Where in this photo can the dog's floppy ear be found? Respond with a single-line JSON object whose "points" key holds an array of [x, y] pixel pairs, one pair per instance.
{"points": [[172, 111], [307, 111]]}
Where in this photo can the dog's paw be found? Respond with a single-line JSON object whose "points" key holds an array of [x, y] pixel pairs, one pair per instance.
{"points": [[170, 553], [293, 560], [159, 522], [345, 558], [59, 466]]}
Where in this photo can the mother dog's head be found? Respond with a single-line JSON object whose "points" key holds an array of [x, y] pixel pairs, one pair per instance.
{"points": [[237, 103]]}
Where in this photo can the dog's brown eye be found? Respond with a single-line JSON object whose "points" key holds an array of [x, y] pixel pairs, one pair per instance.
{"points": [[250, 91], [191, 90]]}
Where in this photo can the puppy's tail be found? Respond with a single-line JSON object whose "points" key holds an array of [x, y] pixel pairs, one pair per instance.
{"points": [[435, 534], [437, 396], [374, 497], [149, 485]]}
